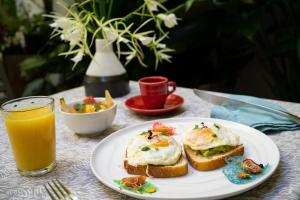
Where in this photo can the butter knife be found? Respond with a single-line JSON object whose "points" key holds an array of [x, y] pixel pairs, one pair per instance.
{"points": [[220, 100]]}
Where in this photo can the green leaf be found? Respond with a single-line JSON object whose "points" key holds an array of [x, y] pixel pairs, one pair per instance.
{"points": [[250, 23], [188, 5], [34, 87], [54, 79], [32, 63]]}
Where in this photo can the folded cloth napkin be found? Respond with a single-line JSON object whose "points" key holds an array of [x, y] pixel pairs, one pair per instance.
{"points": [[256, 118]]}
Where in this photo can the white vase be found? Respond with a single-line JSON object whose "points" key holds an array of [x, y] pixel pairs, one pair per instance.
{"points": [[105, 72]]}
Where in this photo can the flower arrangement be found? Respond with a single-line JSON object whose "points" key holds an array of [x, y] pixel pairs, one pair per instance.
{"points": [[132, 33]]}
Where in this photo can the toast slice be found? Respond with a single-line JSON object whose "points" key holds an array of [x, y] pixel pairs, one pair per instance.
{"points": [[202, 163], [159, 171]]}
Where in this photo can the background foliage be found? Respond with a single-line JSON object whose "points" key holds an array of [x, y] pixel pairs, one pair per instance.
{"points": [[213, 42]]}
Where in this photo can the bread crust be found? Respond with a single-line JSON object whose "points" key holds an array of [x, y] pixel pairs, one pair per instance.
{"points": [[159, 171], [202, 163]]}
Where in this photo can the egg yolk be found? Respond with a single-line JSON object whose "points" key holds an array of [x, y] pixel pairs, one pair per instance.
{"points": [[206, 132], [161, 143], [157, 141]]}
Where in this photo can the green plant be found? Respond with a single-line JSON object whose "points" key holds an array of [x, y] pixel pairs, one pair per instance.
{"points": [[27, 35], [47, 73], [133, 31], [269, 28]]}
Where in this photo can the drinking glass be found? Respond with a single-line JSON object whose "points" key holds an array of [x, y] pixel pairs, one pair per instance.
{"points": [[30, 126]]}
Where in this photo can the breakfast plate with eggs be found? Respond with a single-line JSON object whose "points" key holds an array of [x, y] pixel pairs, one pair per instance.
{"points": [[185, 158]]}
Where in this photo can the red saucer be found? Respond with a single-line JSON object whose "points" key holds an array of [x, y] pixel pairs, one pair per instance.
{"points": [[136, 104]]}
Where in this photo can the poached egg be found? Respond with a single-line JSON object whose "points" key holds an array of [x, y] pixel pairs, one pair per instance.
{"points": [[208, 135], [157, 149]]}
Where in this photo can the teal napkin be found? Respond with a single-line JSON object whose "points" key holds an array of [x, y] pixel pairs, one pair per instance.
{"points": [[256, 118]]}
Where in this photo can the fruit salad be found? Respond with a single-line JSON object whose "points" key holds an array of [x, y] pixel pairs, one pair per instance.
{"points": [[88, 104]]}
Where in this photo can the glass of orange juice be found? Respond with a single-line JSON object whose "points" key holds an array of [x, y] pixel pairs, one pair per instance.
{"points": [[30, 126]]}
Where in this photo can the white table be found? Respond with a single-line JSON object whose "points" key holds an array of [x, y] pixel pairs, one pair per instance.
{"points": [[73, 153]]}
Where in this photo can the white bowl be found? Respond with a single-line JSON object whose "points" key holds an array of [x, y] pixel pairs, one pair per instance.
{"points": [[89, 123]]}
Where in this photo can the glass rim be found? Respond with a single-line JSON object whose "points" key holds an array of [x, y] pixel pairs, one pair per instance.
{"points": [[23, 98]]}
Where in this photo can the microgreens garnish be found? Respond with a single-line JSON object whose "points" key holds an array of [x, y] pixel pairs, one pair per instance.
{"points": [[163, 134], [203, 125], [217, 126], [145, 148], [196, 127], [144, 133]]}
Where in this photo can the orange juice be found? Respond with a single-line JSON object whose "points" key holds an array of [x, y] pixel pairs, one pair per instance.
{"points": [[32, 136]]}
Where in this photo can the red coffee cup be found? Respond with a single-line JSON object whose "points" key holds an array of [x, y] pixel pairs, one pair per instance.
{"points": [[155, 90]]}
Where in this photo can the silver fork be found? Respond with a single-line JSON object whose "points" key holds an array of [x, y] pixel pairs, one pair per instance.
{"points": [[57, 191]]}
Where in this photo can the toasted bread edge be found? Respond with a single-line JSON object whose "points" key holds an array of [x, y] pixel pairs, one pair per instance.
{"points": [[159, 171], [213, 163]]}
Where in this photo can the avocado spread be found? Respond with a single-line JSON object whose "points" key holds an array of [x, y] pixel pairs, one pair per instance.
{"points": [[215, 150]]}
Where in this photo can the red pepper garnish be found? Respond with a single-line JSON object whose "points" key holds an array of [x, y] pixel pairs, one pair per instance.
{"points": [[159, 127], [90, 99]]}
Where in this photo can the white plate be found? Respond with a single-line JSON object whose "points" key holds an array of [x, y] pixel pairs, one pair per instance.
{"points": [[107, 163]]}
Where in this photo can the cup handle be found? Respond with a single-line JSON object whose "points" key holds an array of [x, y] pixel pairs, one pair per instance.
{"points": [[173, 85]]}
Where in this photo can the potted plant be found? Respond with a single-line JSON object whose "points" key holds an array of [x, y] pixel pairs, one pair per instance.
{"points": [[94, 23]]}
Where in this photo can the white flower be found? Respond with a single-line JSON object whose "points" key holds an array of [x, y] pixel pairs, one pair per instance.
{"points": [[78, 57], [19, 37], [130, 55], [63, 23], [110, 34], [165, 56], [122, 39], [162, 46], [152, 5], [169, 20], [73, 37], [145, 40]]}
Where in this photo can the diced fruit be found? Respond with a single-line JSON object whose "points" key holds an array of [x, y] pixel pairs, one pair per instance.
{"points": [[89, 108], [89, 104], [63, 104], [108, 100], [90, 99]]}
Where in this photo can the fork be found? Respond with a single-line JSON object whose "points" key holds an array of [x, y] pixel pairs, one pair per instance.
{"points": [[57, 191]]}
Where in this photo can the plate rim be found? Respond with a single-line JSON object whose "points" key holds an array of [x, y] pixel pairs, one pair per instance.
{"points": [[148, 197], [151, 111]]}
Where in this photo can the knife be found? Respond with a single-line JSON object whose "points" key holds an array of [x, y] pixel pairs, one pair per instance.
{"points": [[220, 100]]}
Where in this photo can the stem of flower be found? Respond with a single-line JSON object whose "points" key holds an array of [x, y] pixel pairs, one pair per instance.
{"points": [[176, 8], [131, 13]]}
